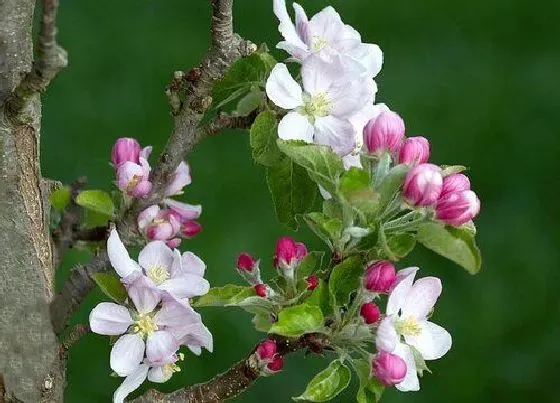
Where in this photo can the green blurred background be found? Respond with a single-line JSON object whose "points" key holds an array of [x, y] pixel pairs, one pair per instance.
{"points": [[478, 78]]}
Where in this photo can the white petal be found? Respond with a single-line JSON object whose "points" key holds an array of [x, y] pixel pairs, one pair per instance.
{"points": [[405, 278], [386, 337], [156, 253], [127, 354], [335, 133], [370, 56], [327, 24], [175, 314], [198, 336], [189, 263], [286, 27], [144, 294], [326, 195], [320, 70], [410, 382], [118, 256], [282, 89], [161, 347], [131, 383], [146, 217], [349, 98], [196, 350], [422, 297], [109, 319], [351, 160], [433, 342], [186, 286], [157, 375], [302, 28], [294, 126]]}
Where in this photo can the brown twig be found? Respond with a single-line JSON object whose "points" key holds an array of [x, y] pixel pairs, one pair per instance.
{"points": [[72, 337]]}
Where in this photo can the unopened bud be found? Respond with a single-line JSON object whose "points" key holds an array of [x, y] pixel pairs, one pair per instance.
{"points": [[246, 262], [288, 254], [266, 350], [414, 151], [125, 149], [423, 184], [261, 290], [370, 312], [388, 368], [384, 133], [457, 208], [455, 183], [190, 228], [276, 364], [380, 276], [312, 282]]}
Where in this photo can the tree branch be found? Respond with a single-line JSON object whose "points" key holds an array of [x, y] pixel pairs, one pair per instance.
{"points": [[236, 379]]}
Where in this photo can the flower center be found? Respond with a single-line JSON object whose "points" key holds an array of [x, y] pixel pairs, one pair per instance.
{"points": [[408, 327], [170, 369], [318, 43], [133, 182], [145, 325], [158, 274], [317, 106]]}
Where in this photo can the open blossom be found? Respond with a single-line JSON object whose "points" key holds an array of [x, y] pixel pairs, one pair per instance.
{"points": [[408, 307], [333, 91], [162, 268], [324, 30], [181, 178]]}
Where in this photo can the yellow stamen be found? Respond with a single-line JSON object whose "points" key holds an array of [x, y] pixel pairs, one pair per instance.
{"points": [[158, 274], [319, 43], [145, 325], [408, 327]]}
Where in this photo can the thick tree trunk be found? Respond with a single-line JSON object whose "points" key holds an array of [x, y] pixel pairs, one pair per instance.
{"points": [[30, 364]]}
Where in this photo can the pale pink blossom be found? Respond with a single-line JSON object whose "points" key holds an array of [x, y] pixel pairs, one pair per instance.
{"points": [[181, 178]]}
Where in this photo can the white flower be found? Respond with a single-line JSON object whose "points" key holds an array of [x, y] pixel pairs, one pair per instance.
{"points": [[325, 30], [409, 305], [334, 90]]}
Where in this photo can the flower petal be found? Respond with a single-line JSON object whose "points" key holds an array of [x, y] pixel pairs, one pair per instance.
{"points": [[405, 278], [174, 315], [144, 294], [146, 217], [370, 56], [335, 133], [184, 210], [282, 89], [109, 319], [186, 286], [161, 347], [131, 383], [422, 297], [158, 375], [189, 263], [386, 337], [349, 98], [294, 126], [156, 254], [433, 342], [410, 381], [351, 160], [286, 27], [327, 25], [127, 354], [197, 336], [119, 257]]}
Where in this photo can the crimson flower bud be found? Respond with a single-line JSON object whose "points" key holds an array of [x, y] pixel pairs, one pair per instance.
{"points": [[384, 133], [455, 183], [388, 368], [312, 282], [380, 276], [266, 350], [414, 151], [246, 262], [276, 364], [190, 228], [423, 184], [288, 254], [457, 208], [370, 312], [125, 149], [261, 290]]}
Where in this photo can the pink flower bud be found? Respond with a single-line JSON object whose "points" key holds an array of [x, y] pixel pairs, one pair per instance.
{"points": [[133, 179], [246, 262], [370, 312], [380, 276], [457, 208], [190, 228], [288, 253], [388, 368], [384, 133], [174, 243], [422, 186], [455, 183], [312, 282], [276, 364], [414, 151], [266, 350], [261, 290], [183, 211], [181, 178], [125, 149], [158, 224], [301, 250]]}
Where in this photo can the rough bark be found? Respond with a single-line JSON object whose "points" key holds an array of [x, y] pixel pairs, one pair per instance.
{"points": [[30, 367]]}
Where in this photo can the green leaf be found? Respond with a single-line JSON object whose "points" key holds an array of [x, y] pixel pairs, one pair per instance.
{"points": [[332, 209], [419, 361], [292, 191], [322, 164], [329, 230], [250, 102], [391, 184], [311, 263], [328, 383], [262, 322], [320, 297], [345, 279], [356, 189], [456, 244], [96, 200], [263, 135], [94, 219], [60, 198], [370, 390], [298, 320], [227, 295], [401, 245], [452, 169], [111, 286]]}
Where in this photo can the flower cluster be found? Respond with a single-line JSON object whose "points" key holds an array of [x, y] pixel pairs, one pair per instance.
{"points": [[176, 219], [156, 318], [404, 336]]}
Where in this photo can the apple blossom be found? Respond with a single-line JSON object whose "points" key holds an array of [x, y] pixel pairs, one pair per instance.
{"points": [[457, 208], [181, 178], [288, 255], [158, 224], [455, 183], [190, 228], [370, 313], [380, 276], [414, 151], [246, 262], [388, 368], [422, 185], [312, 282], [384, 133]]}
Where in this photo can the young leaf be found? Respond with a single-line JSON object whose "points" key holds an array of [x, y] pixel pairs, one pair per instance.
{"points": [[60, 198], [298, 320], [292, 191], [456, 244], [345, 279], [322, 164], [96, 200], [329, 230], [263, 135], [400, 245], [320, 297], [391, 184], [370, 389], [328, 383], [230, 294], [262, 322], [310, 264], [111, 286], [356, 189]]}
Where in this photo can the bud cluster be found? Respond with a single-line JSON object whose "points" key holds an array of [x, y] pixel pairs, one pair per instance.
{"points": [[268, 359]]}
